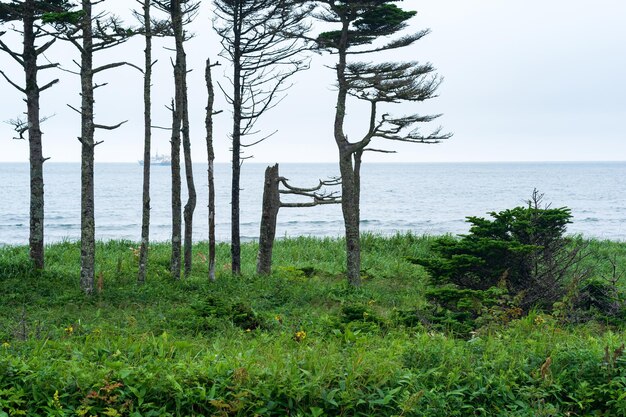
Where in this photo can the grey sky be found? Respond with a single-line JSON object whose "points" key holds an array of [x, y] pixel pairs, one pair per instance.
{"points": [[524, 81]]}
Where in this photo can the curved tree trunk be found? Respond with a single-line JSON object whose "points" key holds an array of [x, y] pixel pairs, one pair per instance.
{"points": [[350, 186], [191, 188]]}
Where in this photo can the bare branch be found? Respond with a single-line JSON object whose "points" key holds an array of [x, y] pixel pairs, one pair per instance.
{"points": [[14, 55], [12, 83], [317, 198], [43, 48], [112, 127], [50, 84], [109, 66], [75, 109], [379, 150]]}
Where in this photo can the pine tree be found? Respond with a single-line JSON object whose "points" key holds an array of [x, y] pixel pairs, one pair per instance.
{"points": [[364, 26]]}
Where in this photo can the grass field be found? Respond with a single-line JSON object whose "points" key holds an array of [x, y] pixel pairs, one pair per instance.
{"points": [[297, 343]]}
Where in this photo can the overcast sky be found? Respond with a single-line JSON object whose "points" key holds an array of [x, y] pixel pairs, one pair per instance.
{"points": [[530, 80]]}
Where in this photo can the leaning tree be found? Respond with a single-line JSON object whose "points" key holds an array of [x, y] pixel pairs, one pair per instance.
{"points": [[263, 40], [29, 13], [364, 28]]}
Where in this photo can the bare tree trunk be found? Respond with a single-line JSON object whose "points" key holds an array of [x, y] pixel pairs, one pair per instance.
{"points": [[177, 116], [88, 226], [191, 188], [36, 237], [147, 86], [271, 205], [176, 199], [235, 246], [211, 159]]}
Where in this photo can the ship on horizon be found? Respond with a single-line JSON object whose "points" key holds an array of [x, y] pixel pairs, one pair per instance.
{"points": [[158, 159]]}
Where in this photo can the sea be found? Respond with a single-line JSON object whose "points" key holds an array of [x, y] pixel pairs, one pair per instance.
{"points": [[420, 198]]}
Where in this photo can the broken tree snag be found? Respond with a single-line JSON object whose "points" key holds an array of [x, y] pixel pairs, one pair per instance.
{"points": [[272, 203]]}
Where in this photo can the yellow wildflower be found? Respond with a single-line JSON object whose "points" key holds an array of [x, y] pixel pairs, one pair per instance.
{"points": [[69, 329], [539, 320], [6, 345], [299, 336], [55, 400]]}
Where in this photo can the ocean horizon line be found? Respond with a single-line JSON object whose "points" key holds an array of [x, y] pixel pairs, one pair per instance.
{"points": [[367, 163]]}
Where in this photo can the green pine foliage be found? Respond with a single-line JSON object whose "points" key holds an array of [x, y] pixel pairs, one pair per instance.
{"points": [[375, 19], [523, 249]]}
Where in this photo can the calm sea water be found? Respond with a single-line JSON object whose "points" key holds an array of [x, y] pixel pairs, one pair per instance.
{"points": [[422, 198]]}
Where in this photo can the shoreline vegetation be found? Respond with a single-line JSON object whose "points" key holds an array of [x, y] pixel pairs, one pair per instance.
{"points": [[299, 342]]}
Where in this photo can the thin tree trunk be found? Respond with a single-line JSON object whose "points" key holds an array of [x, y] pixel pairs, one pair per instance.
{"points": [[36, 237], [211, 159], [191, 188], [235, 248], [88, 227], [176, 199], [177, 116], [267, 233], [147, 84]]}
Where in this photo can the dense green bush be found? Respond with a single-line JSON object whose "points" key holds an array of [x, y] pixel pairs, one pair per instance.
{"points": [[523, 249]]}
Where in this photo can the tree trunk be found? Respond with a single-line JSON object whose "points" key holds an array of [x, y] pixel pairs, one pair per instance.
{"points": [[235, 247], [176, 199], [182, 102], [271, 205], [88, 227], [177, 116], [147, 81], [191, 188], [350, 184], [36, 237], [211, 159], [351, 218]]}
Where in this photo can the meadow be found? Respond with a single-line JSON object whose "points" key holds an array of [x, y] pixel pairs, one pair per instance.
{"points": [[300, 342]]}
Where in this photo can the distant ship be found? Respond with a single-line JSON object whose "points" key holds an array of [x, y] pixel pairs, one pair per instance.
{"points": [[158, 159]]}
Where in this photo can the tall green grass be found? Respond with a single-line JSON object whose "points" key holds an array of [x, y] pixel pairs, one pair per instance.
{"points": [[299, 342]]}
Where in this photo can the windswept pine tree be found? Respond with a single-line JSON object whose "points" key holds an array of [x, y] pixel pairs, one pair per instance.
{"points": [[367, 28], [29, 13]]}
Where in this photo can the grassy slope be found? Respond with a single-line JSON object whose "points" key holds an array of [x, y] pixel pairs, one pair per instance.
{"points": [[299, 342]]}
